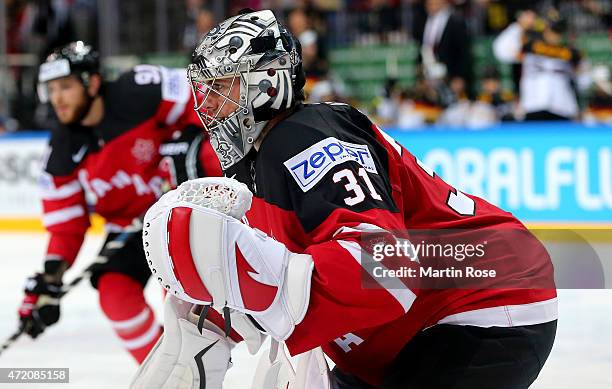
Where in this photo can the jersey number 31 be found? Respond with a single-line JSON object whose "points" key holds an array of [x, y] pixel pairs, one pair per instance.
{"points": [[353, 185]]}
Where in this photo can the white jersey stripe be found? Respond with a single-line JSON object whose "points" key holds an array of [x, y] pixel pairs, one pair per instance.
{"points": [[394, 286], [501, 316], [362, 227], [175, 112], [507, 315], [62, 215], [61, 192]]}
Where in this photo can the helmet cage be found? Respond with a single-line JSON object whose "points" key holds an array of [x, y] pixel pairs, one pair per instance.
{"points": [[226, 133], [203, 88]]}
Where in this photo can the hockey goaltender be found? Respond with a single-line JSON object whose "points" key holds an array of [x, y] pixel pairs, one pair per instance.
{"points": [[275, 246]]}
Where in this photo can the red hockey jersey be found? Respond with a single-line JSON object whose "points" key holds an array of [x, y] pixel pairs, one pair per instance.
{"points": [[326, 175], [113, 168]]}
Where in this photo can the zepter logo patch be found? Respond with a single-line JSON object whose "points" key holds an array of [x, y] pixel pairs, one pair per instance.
{"points": [[310, 166]]}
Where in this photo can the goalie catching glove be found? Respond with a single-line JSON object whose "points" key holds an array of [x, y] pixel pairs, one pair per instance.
{"points": [[201, 252]]}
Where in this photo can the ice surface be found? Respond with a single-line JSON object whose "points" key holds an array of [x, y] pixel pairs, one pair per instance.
{"points": [[84, 342]]}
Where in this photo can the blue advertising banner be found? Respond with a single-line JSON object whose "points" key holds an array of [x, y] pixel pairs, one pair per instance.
{"points": [[544, 172]]}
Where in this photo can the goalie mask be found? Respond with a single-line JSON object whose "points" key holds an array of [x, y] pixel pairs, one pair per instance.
{"points": [[256, 55]]}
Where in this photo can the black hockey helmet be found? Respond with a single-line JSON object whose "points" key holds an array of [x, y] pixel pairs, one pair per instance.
{"points": [[76, 58]]}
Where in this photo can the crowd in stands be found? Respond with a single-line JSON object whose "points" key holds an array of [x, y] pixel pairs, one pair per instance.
{"points": [[532, 44], [550, 79]]}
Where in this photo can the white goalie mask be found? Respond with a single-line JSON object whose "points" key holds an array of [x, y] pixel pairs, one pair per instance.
{"points": [[255, 55]]}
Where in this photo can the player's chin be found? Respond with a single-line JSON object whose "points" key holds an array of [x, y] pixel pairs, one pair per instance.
{"points": [[67, 117]]}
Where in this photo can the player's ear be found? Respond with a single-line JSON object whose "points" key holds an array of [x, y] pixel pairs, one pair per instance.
{"points": [[95, 81]]}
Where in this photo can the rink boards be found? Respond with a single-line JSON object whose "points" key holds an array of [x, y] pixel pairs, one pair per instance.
{"points": [[548, 175]]}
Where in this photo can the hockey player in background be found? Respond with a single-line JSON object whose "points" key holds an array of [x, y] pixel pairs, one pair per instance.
{"points": [[552, 70], [103, 157], [323, 176]]}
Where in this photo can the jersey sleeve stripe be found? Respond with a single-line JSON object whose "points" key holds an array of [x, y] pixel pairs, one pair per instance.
{"points": [[404, 296], [362, 227], [62, 215], [61, 192], [175, 112]]}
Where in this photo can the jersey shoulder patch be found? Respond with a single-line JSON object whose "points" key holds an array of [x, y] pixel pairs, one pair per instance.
{"points": [[310, 166], [315, 139], [175, 87]]}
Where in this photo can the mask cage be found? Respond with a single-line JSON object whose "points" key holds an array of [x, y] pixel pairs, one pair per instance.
{"points": [[204, 86]]}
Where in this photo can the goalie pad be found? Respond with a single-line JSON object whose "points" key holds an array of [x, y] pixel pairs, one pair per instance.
{"points": [[275, 370], [202, 253], [182, 357]]}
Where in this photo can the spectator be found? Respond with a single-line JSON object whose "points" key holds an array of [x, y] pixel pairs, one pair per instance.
{"points": [[409, 116], [468, 114], [496, 15], [15, 19], [587, 15], [382, 19], [326, 90], [445, 47], [599, 109], [456, 115], [549, 68], [205, 21], [301, 27], [426, 98], [493, 105], [7, 123], [532, 26], [54, 22], [406, 109], [388, 104], [492, 94], [190, 33]]}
